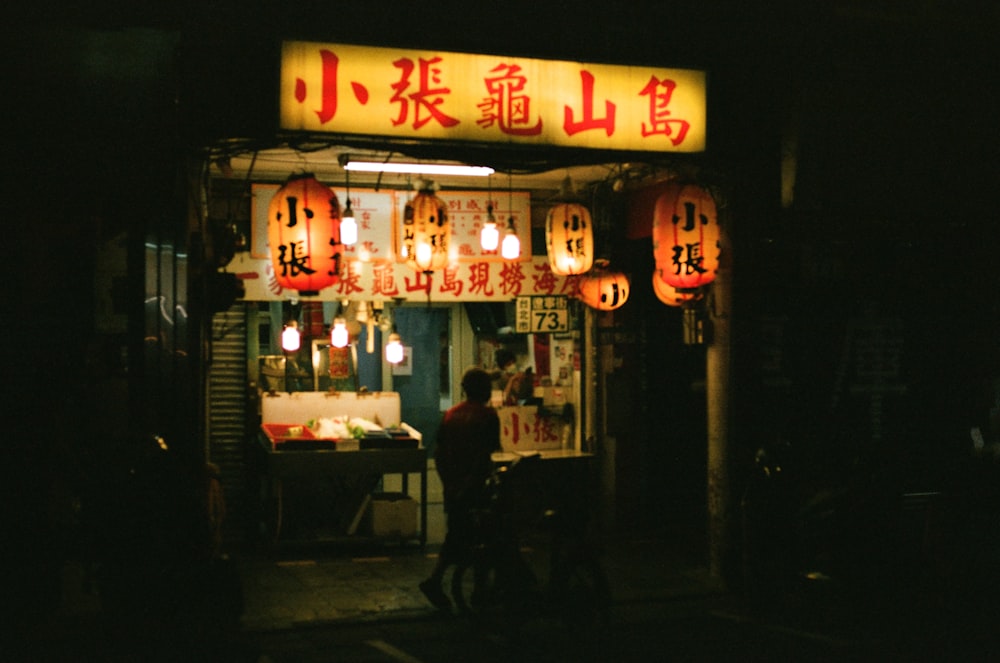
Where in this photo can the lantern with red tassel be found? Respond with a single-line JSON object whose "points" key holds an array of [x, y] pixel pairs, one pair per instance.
{"points": [[303, 231], [686, 236]]}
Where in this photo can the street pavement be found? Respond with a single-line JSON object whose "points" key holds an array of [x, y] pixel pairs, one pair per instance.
{"points": [[315, 601]]}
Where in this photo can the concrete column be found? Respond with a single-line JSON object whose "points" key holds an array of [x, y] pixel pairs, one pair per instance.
{"points": [[717, 386]]}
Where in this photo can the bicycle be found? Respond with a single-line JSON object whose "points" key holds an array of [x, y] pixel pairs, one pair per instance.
{"points": [[520, 505]]}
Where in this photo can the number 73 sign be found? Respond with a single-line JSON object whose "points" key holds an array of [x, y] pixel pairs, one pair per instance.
{"points": [[544, 314]]}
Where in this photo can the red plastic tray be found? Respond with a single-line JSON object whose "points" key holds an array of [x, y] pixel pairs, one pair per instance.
{"points": [[279, 432]]}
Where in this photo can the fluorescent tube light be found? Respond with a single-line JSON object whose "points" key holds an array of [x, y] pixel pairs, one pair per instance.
{"points": [[418, 168]]}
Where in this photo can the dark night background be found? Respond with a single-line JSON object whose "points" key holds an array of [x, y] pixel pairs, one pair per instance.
{"points": [[894, 210]]}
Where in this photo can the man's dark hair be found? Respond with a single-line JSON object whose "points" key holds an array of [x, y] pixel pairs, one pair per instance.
{"points": [[477, 385]]}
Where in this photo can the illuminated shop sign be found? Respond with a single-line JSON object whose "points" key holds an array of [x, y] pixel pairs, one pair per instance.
{"points": [[477, 281], [420, 94]]}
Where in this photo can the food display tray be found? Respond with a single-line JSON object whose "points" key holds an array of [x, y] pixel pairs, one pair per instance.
{"points": [[293, 437]]}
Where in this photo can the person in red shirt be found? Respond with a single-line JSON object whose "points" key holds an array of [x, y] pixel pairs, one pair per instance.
{"points": [[468, 435]]}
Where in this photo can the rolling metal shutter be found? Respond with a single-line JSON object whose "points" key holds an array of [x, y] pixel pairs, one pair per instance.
{"points": [[227, 410]]}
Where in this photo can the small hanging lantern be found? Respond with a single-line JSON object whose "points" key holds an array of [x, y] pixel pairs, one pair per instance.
{"points": [[569, 238], [603, 289], [303, 231], [686, 236], [672, 296], [426, 231]]}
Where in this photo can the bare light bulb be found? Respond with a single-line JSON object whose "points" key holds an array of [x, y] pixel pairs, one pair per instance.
{"points": [[290, 339], [338, 334], [348, 227], [489, 237], [423, 255], [511, 247], [394, 349]]}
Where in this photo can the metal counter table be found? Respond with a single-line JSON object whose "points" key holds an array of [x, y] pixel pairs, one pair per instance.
{"points": [[276, 467], [506, 457]]}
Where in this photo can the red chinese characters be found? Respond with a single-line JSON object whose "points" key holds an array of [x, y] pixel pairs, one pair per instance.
{"points": [[508, 107], [451, 284], [426, 99], [479, 279], [660, 120], [511, 278], [384, 281], [573, 126], [349, 281], [329, 66], [424, 93]]}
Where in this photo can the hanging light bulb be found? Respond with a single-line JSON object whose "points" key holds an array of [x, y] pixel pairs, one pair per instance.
{"points": [[511, 247], [348, 226], [489, 237], [338, 333], [290, 338], [423, 255], [427, 230], [394, 348]]}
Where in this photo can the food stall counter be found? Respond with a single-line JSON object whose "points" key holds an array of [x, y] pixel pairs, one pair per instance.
{"points": [[324, 439]]}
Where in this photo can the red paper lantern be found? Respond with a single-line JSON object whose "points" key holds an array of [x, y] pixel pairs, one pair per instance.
{"points": [[670, 295], [604, 290], [303, 231], [569, 238], [686, 236], [426, 232]]}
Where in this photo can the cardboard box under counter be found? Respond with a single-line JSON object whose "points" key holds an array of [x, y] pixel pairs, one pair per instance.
{"points": [[393, 515]]}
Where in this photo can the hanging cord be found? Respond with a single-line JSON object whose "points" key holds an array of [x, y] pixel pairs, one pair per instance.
{"points": [[510, 199], [378, 180], [489, 197]]}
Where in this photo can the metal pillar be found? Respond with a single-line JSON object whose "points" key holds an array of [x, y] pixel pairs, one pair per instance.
{"points": [[717, 385]]}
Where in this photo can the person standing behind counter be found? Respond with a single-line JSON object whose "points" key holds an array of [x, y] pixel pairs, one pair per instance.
{"points": [[516, 386], [468, 436], [506, 367]]}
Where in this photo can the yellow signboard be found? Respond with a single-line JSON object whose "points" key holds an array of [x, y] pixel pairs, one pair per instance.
{"points": [[439, 95]]}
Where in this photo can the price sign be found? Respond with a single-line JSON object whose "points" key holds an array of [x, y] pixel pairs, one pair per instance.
{"points": [[542, 314]]}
